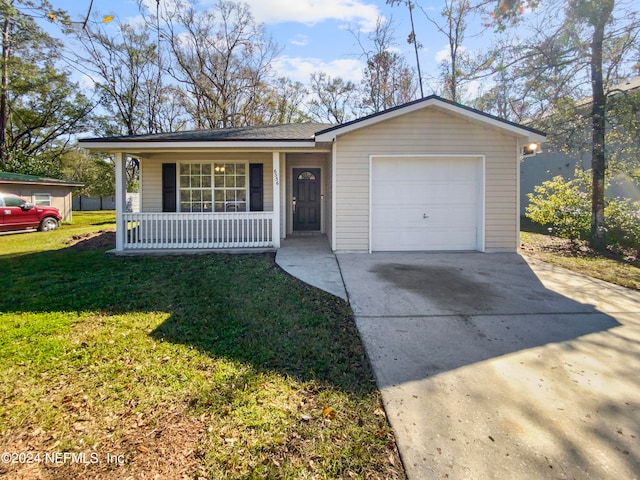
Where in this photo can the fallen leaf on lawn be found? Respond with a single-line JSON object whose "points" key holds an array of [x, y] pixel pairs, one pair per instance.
{"points": [[328, 413], [143, 449]]}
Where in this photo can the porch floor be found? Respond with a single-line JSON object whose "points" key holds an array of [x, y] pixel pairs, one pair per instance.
{"points": [[310, 259]]}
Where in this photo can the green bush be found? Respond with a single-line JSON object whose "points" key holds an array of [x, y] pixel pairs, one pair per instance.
{"points": [[563, 206], [622, 219]]}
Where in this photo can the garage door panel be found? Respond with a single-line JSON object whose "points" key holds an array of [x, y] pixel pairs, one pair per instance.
{"points": [[386, 194], [456, 239], [425, 203]]}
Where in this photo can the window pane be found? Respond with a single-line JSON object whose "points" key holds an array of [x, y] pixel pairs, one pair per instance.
{"points": [[241, 207], [219, 195], [230, 181], [184, 181], [11, 201], [241, 195], [42, 199], [240, 181], [240, 169], [219, 206], [206, 169], [196, 195], [219, 181], [185, 207], [184, 169], [206, 181], [230, 168], [195, 169], [206, 195]]}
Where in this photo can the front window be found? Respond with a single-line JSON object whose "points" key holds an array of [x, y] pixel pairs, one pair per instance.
{"points": [[219, 187]]}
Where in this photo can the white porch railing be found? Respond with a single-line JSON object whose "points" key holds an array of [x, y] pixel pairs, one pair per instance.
{"points": [[198, 230]]}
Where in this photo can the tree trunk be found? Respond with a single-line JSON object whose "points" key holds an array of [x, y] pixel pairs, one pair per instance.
{"points": [[598, 231], [4, 86]]}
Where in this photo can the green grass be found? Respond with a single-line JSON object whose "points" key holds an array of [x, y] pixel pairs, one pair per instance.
{"points": [[613, 266], [212, 365]]}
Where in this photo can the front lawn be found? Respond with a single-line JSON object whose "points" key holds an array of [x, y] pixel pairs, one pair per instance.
{"points": [[619, 266], [206, 366]]}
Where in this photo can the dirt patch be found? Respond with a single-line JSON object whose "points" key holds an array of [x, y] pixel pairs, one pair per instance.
{"points": [[93, 241], [158, 444], [540, 244]]}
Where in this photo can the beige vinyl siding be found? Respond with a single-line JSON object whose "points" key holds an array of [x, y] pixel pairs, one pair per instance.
{"points": [[430, 131], [328, 198], [151, 174]]}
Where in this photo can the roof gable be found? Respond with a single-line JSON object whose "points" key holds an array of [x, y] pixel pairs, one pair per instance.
{"points": [[531, 134]]}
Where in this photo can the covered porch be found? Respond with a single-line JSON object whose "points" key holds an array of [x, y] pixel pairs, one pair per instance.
{"points": [[256, 213]]}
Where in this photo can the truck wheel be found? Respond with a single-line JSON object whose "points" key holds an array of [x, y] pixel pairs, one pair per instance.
{"points": [[47, 224]]}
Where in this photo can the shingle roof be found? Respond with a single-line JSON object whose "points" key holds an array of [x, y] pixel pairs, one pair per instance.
{"points": [[287, 132], [7, 177]]}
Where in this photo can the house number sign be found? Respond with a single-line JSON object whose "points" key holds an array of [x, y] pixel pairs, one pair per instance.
{"points": [[275, 176]]}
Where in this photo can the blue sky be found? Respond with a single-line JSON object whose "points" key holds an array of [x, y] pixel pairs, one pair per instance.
{"points": [[313, 34]]}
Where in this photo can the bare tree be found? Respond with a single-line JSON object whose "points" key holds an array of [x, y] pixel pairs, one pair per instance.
{"points": [[222, 58], [387, 79], [334, 99], [126, 68]]}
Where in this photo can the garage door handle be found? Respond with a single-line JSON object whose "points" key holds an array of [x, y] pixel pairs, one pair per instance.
{"points": [[424, 215]]}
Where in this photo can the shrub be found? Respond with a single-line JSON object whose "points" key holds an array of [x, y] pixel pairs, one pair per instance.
{"points": [[563, 206], [622, 217]]}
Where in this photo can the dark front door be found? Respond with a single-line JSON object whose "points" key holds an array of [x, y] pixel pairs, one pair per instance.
{"points": [[306, 199]]}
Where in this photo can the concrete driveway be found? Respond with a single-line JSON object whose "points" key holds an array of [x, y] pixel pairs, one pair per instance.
{"points": [[491, 366]]}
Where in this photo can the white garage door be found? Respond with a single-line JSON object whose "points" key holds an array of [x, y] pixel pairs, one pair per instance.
{"points": [[426, 203]]}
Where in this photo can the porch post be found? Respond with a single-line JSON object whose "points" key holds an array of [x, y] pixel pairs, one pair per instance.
{"points": [[121, 196], [275, 232]]}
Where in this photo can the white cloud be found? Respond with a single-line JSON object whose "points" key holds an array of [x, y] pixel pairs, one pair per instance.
{"points": [[445, 53], [301, 68], [311, 12], [300, 40], [86, 82]]}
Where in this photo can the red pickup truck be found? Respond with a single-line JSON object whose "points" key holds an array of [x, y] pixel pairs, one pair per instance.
{"points": [[18, 214]]}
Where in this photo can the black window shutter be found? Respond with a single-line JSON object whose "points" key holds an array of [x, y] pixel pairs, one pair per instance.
{"points": [[256, 187], [169, 187]]}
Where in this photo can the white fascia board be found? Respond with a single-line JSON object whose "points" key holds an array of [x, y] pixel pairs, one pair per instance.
{"points": [[164, 146], [514, 129]]}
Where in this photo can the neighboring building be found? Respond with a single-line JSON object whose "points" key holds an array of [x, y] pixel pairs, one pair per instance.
{"points": [[41, 191], [427, 175], [535, 170]]}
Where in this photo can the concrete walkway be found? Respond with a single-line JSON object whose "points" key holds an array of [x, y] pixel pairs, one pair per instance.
{"points": [[309, 258]]}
